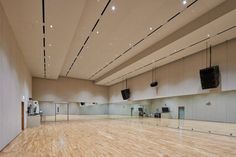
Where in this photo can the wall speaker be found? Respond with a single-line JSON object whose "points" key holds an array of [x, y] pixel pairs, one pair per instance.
{"points": [[154, 84], [125, 94], [210, 77]]}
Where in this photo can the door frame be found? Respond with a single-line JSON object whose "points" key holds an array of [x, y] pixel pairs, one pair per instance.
{"points": [[22, 116]]}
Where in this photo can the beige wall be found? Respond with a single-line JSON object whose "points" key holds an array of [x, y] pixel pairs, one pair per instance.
{"points": [[179, 85], [69, 90], [182, 77], [15, 82]]}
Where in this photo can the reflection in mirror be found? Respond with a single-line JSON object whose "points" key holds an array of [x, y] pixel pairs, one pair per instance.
{"points": [[209, 113]]}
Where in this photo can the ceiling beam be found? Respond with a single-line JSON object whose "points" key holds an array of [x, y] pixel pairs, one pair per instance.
{"points": [[206, 18]]}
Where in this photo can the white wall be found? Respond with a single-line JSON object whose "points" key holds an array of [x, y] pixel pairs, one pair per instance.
{"points": [[182, 77], [15, 82], [69, 90]]}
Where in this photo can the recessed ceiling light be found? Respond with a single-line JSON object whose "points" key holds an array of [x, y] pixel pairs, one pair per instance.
{"points": [[49, 57], [208, 35], [184, 2], [113, 8], [97, 32], [150, 28], [51, 26], [130, 44], [50, 45]]}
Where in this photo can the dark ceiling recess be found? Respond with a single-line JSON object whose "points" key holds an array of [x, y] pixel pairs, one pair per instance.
{"points": [[198, 42], [85, 42], [44, 40], [138, 42]]}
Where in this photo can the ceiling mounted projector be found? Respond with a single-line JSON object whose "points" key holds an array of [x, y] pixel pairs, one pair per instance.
{"points": [[154, 84]]}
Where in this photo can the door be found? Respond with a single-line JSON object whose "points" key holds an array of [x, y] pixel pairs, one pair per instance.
{"points": [[22, 116], [132, 109], [61, 110], [181, 113]]}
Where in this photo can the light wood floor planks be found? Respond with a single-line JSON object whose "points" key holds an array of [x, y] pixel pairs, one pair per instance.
{"points": [[118, 137], [220, 128]]}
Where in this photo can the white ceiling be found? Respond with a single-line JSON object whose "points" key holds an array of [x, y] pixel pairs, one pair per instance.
{"points": [[25, 17], [109, 54]]}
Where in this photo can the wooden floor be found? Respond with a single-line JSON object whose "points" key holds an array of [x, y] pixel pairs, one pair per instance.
{"points": [[93, 136], [220, 128]]}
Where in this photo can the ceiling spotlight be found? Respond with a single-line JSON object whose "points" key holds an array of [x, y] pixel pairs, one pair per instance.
{"points": [[208, 35], [150, 28], [97, 32], [113, 8], [51, 26], [184, 2]]}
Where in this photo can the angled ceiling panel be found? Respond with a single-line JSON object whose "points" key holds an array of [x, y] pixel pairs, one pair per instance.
{"points": [[109, 40], [181, 48], [91, 14]]}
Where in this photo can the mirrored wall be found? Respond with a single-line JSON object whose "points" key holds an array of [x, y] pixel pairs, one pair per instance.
{"points": [[63, 111], [212, 113]]}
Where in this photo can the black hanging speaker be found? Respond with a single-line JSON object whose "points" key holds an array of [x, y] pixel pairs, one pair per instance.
{"points": [[125, 94], [210, 77], [154, 84]]}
